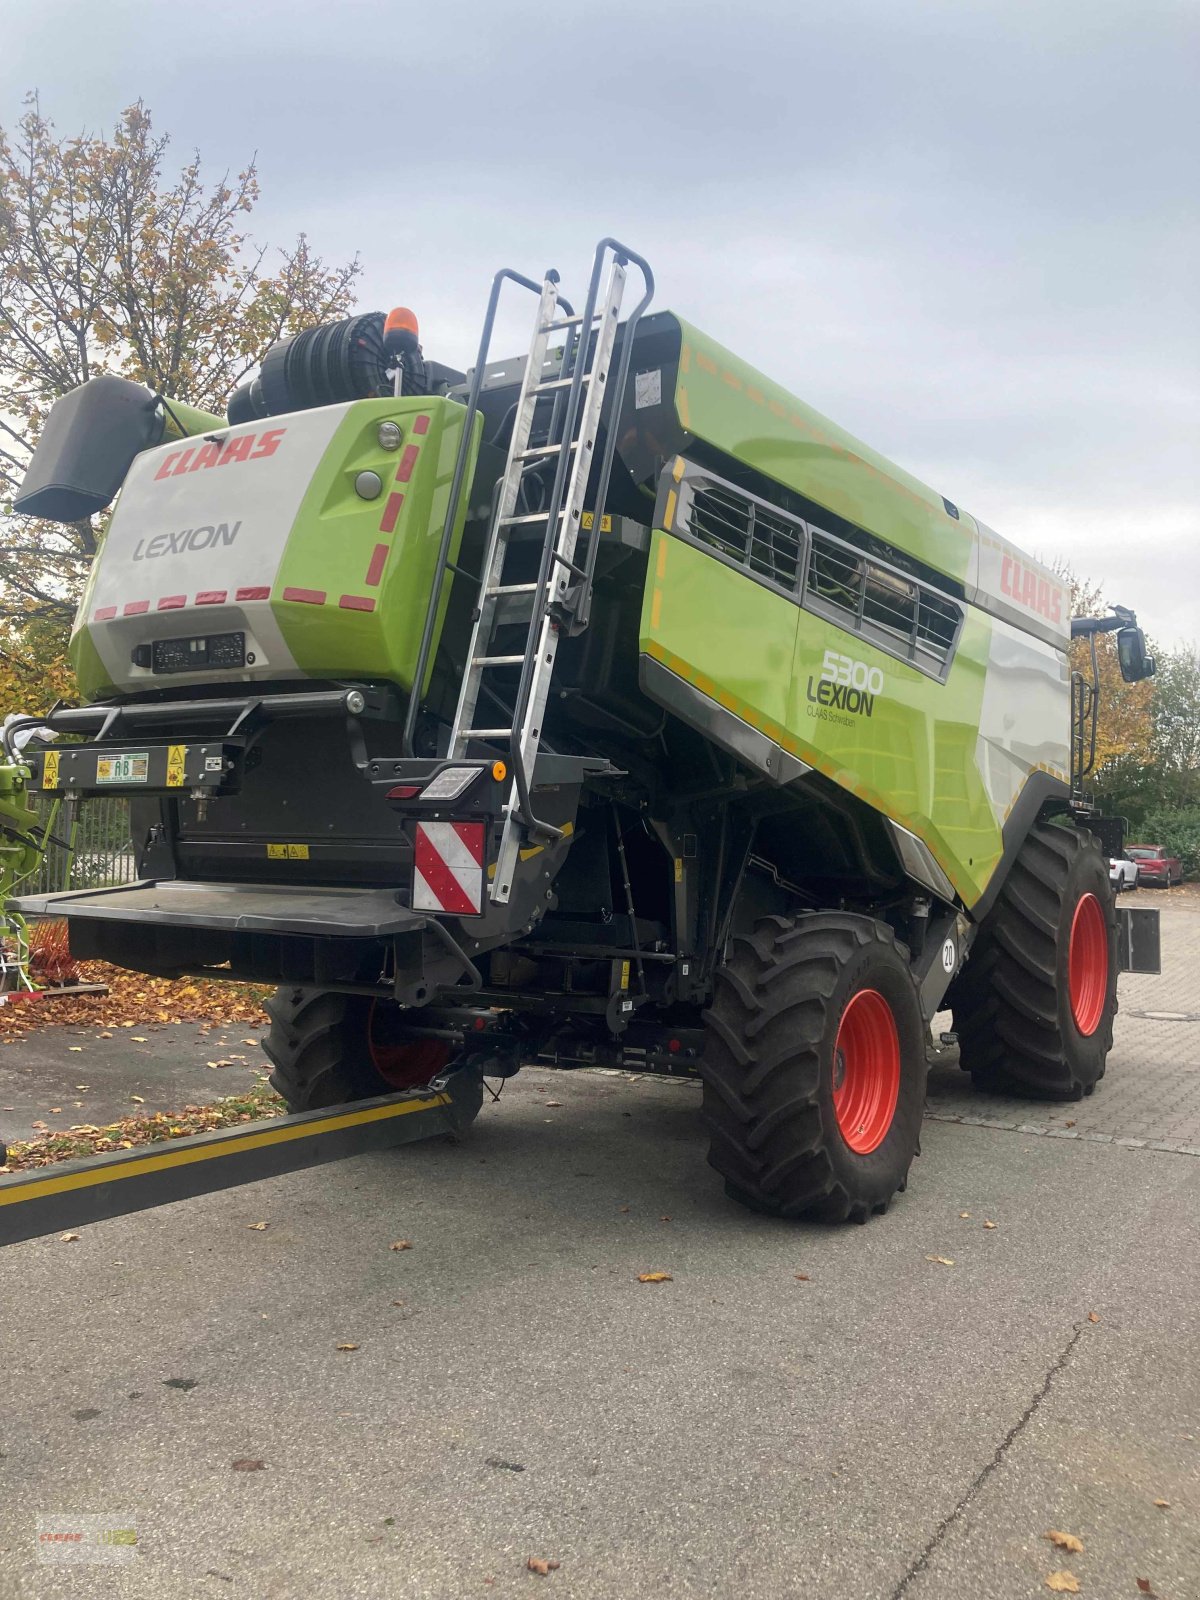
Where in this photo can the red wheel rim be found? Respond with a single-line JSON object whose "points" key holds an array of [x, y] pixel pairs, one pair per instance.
{"points": [[1087, 964], [402, 1063], [866, 1071]]}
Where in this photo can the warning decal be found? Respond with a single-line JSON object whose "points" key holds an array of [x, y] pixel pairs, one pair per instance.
{"points": [[448, 863]]}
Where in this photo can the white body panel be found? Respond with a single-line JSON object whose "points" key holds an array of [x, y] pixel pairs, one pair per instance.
{"points": [[1025, 716], [196, 542]]}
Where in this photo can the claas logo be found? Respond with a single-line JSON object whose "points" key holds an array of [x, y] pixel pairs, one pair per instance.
{"points": [[1031, 590], [221, 453]]}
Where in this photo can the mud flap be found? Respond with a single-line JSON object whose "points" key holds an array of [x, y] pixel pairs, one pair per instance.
{"points": [[1139, 948]]}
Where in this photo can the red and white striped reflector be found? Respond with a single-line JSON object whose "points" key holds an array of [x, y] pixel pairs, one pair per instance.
{"points": [[448, 862]]}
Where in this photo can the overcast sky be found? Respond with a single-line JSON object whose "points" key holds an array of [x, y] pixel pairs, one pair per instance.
{"points": [[967, 231]]}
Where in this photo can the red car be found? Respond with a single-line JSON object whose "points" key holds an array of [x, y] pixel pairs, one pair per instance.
{"points": [[1154, 865]]}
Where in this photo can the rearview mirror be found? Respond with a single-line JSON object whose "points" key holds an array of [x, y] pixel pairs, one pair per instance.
{"points": [[1131, 654]]}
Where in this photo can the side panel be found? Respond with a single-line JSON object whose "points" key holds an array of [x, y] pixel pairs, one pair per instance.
{"points": [[365, 569], [945, 760]]}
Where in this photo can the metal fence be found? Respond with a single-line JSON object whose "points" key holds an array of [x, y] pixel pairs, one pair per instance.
{"points": [[104, 851]]}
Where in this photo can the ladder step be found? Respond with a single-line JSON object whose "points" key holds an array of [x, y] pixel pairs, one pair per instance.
{"points": [[539, 452], [513, 588], [497, 661], [485, 733], [564, 322], [525, 517], [559, 383]]}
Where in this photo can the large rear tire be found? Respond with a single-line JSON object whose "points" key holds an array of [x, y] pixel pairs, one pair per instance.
{"points": [[327, 1048], [814, 1068], [1034, 1005]]}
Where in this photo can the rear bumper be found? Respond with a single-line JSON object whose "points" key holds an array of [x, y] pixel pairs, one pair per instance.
{"points": [[356, 939], [234, 908]]}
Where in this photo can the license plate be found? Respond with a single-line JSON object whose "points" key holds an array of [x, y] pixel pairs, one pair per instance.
{"points": [[125, 768]]}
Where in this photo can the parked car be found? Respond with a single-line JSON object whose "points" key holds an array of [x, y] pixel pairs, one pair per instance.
{"points": [[1154, 865], [1122, 873]]}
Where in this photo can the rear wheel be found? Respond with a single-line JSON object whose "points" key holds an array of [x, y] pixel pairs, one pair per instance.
{"points": [[814, 1069], [327, 1048], [1034, 1006]]}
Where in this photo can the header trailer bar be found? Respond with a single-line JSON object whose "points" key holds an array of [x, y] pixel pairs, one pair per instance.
{"points": [[72, 1194]]}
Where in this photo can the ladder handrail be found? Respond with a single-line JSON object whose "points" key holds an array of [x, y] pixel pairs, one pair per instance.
{"points": [[456, 486], [618, 393]]}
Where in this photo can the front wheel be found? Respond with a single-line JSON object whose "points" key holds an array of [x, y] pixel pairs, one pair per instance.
{"points": [[1034, 1005], [814, 1068]]}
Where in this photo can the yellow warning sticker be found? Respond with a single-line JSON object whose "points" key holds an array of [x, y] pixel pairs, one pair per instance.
{"points": [[678, 869], [176, 763], [287, 852], [50, 770], [624, 974], [589, 522]]}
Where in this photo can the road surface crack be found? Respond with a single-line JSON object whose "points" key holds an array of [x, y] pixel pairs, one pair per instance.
{"points": [[948, 1521]]}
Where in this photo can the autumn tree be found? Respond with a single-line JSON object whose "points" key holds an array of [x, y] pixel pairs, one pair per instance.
{"points": [[1124, 725], [112, 263], [1176, 737]]}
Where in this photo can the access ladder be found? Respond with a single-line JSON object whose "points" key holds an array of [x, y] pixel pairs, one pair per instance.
{"points": [[560, 596]]}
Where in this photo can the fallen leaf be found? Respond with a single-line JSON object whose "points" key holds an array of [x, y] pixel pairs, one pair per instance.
{"points": [[1063, 1582], [75, 1049], [1092, 1317], [1070, 1124], [249, 1041], [664, 1219], [248, 1464], [655, 1277], [802, 1277], [1143, 1584], [552, 1102], [964, 1213], [139, 1038], [1163, 1505], [402, 1244], [347, 1347], [988, 1224], [622, 1208], [54, 1110], [67, 1238], [1064, 1541], [543, 1568], [397, 1302], [137, 1099], [942, 1261], [83, 1087], [258, 1227]]}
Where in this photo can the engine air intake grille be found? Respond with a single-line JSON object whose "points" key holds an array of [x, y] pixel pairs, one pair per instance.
{"points": [[765, 544], [900, 614]]}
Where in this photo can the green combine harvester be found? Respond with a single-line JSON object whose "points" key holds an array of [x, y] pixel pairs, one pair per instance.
{"points": [[605, 705]]}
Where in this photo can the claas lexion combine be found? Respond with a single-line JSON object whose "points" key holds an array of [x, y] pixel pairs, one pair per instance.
{"points": [[602, 706]]}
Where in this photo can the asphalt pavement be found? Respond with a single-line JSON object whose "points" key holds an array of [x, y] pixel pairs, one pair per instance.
{"points": [[798, 1411]]}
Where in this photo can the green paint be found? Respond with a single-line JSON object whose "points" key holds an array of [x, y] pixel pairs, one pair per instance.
{"points": [[760, 655], [183, 421], [336, 533], [727, 403]]}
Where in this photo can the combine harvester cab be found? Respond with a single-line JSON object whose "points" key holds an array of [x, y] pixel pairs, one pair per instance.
{"points": [[604, 705]]}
